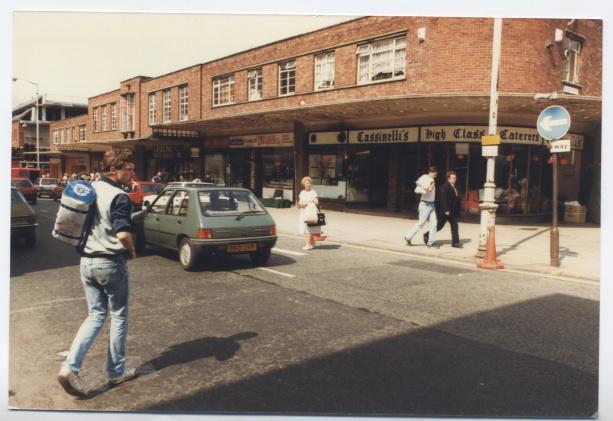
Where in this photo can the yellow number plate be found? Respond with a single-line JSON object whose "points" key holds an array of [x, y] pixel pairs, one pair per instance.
{"points": [[239, 248]]}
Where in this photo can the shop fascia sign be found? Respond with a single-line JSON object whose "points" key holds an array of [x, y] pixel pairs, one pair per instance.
{"points": [[384, 136], [263, 141], [516, 135]]}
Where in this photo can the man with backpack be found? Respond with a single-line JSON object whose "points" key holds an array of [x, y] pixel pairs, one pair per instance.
{"points": [[104, 273], [426, 187]]}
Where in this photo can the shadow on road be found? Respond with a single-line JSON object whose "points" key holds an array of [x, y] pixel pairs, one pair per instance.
{"points": [[427, 372]]}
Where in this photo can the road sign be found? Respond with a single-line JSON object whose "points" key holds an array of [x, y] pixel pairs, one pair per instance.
{"points": [[490, 140], [558, 146], [553, 122], [489, 150]]}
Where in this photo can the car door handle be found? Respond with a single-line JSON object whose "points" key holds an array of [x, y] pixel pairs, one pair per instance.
{"points": [[157, 219], [179, 222]]}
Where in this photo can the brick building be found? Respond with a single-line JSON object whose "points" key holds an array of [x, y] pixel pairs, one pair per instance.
{"points": [[364, 107]]}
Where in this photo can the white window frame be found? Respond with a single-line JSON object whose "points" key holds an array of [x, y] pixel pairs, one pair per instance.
{"points": [[223, 90], [369, 61], [255, 84], [95, 124], [113, 116], [82, 131], [166, 104], [62, 136], [183, 103], [55, 137], [152, 108], [572, 51], [287, 71], [126, 105], [104, 118], [75, 139], [324, 71]]}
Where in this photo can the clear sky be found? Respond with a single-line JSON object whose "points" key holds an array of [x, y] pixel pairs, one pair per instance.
{"points": [[75, 55]]}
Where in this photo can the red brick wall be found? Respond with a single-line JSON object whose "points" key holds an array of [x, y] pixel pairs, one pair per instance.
{"points": [[17, 135], [67, 124], [104, 100]]}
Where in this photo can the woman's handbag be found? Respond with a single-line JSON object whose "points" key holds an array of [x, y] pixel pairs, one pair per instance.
{"points": [[310, 214], [321, 218]]}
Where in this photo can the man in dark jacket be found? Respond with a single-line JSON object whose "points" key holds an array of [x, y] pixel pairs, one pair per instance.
{"points": [[449, 209]]}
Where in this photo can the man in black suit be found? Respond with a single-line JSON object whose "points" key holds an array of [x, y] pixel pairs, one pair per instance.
{"points": [[449, 209]]}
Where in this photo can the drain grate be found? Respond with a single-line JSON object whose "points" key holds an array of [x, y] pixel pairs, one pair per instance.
{"points": [[431, 267]]}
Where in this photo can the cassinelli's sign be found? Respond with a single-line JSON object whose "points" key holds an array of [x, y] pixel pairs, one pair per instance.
{"points": [[398, 135]]}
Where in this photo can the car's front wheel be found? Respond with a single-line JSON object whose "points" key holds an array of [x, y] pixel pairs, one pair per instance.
{"points": [[188, 255], [260, 257]]}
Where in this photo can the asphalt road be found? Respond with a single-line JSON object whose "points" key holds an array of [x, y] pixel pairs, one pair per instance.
{"points": [[336, 330]]}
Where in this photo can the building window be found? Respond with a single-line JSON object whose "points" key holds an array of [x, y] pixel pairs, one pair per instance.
{"points": [[324, 71], [254, 82], [74, 134], [287, 78], [104, 118], [82, 129], [223, 90], [127, 113], [95, 120], [166, 105], [382, 60], [572, 49], [183, 102], [62, 136], [152, 108], [55, 137], [113, 117]]}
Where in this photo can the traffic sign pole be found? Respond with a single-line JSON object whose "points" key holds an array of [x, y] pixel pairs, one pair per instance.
{"points": [[554, 237]]}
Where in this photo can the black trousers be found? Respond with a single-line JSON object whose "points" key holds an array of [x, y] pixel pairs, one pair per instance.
{"points": [[453, 223]]}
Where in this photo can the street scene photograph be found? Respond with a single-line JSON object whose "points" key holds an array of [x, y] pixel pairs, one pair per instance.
{"points": [[286, 215]]}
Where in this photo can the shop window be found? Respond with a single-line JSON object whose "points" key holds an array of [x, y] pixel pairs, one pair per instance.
{"points": [[278, 168], [223, 90], [382, 60], [326, 168], [183, 103], [572, 49], [152, 108], [254, 82], [287, 78], [166, 106], [214, 168], [324, 71]]}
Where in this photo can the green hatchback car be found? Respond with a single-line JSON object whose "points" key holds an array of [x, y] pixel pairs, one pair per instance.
{"points": [[200, 219]]}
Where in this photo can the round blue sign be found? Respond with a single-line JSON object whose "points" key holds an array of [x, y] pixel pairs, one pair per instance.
{"points": [[553, 122]]}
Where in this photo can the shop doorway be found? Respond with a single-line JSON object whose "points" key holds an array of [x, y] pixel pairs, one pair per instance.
{"points": [[239, 168], [368, 177], [378, 177]]}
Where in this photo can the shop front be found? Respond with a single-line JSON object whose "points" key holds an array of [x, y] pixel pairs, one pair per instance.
{"points": [[262, 163], [176, 161], [377, 168]]}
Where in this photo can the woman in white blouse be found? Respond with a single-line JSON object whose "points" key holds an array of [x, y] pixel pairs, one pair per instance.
{"points": [[307, 196]]}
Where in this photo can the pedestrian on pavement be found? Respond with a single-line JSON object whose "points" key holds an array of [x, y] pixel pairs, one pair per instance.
{"points": [[448, 206], [426, 187], [104, 274], [308, 197]]}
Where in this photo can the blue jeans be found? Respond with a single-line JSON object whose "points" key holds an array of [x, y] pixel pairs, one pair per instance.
{"points": [[426, 213], [106, 282]]}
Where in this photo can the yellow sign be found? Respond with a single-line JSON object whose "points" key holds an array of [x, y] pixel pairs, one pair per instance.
{"points": [[490, 140]]}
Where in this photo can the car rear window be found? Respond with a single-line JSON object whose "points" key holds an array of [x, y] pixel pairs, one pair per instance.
{"points": [[228, 202], [152, 188], [22, 183], [16, 197]]}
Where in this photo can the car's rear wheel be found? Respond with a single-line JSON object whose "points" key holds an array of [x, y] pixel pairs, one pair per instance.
{"points": [[260, 257], [188, 255], [31, 238]]}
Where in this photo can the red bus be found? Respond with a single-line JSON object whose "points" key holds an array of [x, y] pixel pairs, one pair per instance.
{"points": [[30, 173]]}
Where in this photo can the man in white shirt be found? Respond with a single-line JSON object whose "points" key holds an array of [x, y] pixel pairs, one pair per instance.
{"points": [[426, 186]]}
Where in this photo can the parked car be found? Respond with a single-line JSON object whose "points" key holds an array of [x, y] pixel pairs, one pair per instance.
{"points": [[57, 190], [140, 189], [23, 218], [45, 186], [201, 220], [25, 187], [149, 198]]}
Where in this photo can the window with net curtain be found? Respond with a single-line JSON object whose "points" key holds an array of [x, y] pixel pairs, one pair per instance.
{"points": [[382, 60]]}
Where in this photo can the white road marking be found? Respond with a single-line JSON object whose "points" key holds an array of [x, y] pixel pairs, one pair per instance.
{"points": [[278, 273], [46, 304], [283, 251]]}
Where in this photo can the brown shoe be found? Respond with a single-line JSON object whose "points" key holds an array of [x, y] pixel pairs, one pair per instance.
{"points": [[71, 382]]}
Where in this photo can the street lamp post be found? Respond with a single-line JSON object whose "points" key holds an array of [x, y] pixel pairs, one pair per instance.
{"points": [[37, 119]]}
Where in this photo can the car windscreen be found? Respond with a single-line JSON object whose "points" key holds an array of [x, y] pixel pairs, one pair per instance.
{"points": [[49, 181], [228, 202], [16, 197], [22, 183], [151, 188]]}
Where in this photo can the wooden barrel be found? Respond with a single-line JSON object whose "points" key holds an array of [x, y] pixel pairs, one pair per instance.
{"points": [[574, 214]]}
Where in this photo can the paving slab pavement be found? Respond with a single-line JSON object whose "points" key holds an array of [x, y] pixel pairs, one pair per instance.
{"points": [[519, 247]]}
